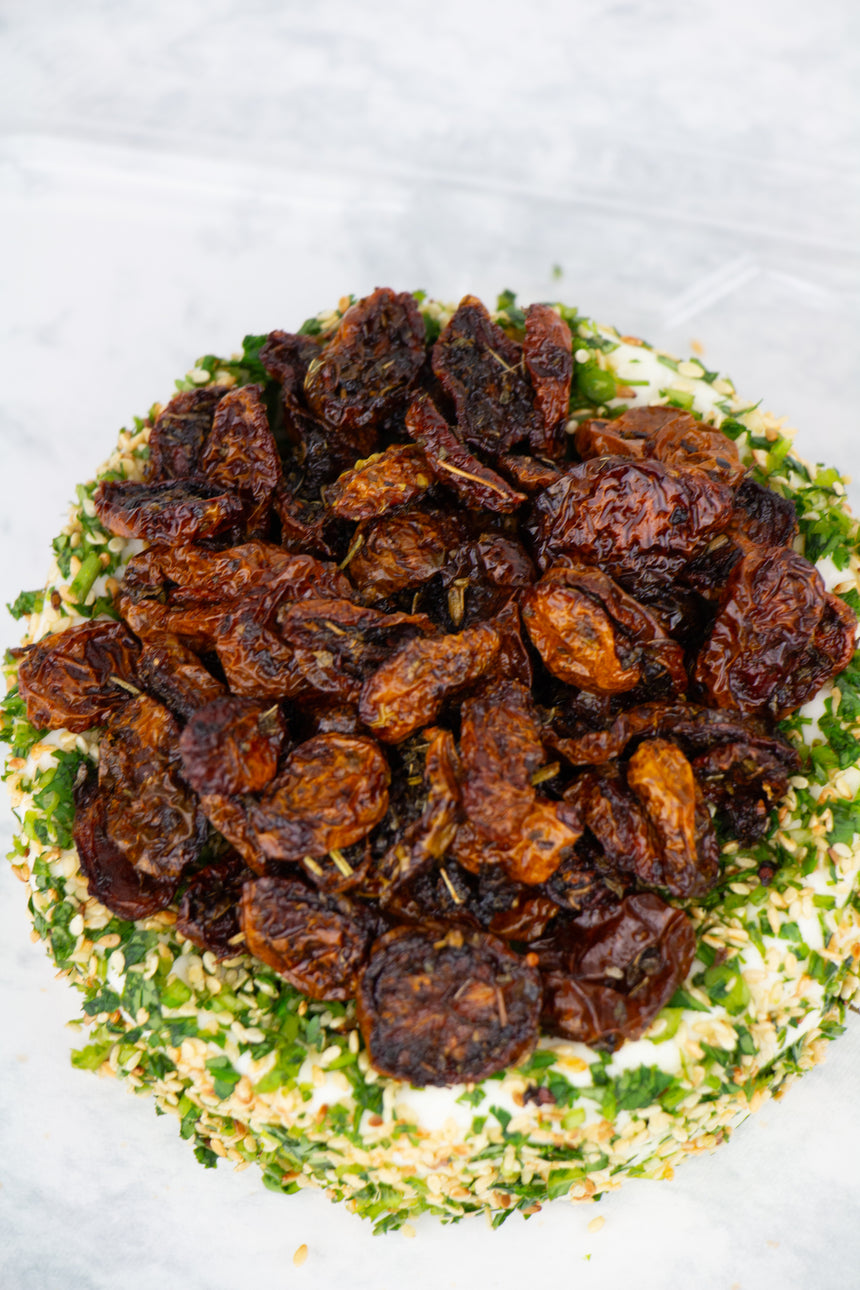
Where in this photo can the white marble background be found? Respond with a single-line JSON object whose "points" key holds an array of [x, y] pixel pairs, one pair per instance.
{"points": [[175, 174]]}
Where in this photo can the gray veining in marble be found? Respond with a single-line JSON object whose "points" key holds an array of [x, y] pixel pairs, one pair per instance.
{"points": [[174, 174]]}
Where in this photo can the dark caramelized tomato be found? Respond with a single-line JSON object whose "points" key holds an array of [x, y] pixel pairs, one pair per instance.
{"points": [[111, 877], [185, 510], [454, 466], [152, 814], [173, 674], [332, 792], [180, 430], [547, 352], [777, 638], [440, 1006], [481, 369], [634, 519], [373, 357], [501, 749], [240, 454], [231, 746], [315, 942], [208, 912], [606, 983], [74, 680], [402, 550]]}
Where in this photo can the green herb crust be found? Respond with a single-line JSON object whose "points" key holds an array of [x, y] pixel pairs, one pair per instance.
{"points": [[258, 1074]]}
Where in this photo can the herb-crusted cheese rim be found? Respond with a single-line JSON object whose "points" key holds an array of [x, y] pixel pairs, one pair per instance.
{"points": [[258, 1074]]}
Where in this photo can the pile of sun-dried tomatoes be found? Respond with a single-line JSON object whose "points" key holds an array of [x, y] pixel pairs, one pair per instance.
{"points": [[424, 700]]}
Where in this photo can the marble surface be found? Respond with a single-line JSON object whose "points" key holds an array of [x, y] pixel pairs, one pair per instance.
{"points": [[173, 175]]}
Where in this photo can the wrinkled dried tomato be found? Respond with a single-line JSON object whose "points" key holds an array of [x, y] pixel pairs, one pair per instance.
{"points": [[634, 519], [184, 510], [111, 877], [607, 983], [174, 675], [179, 432], [337, 644], [152, 815], [547, 353], [501, 749], [778, 637], [231, 746], [240, 454], [208, 912], [402, 550], [663, 780], [443, 1006], [371, 360], [407, 692], [331, 793], [456, 467], [481, 369], [74, 680], [391, 478], [317, 943]]}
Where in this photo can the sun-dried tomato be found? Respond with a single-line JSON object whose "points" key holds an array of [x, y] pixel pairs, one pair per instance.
{"points": [[183, 510], [317, 943], [592, 634], [528, 474], [526, 920], [111, 877], [441, 1006], [336, 644], [745, 782], [74, 680], [370, 362], [663, 780], [332, 792], [152, 815], [500, 747], [320, 452], [606, 984], [232, 746], [575, 637], [778, 637], [634, 519], [547, 834], [256, 661], [428, 837], [179, 433], [696, 728], [391, 478], [240, 454], [481, 575], [174, 675], [481, 369], [686, 444], [229, 815], [456, 467], [402, 549], [287, 356], [620, 824], [208, 912], [763, 516], [407, 691], [204, 576], [547, 352], [303, 525]]}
